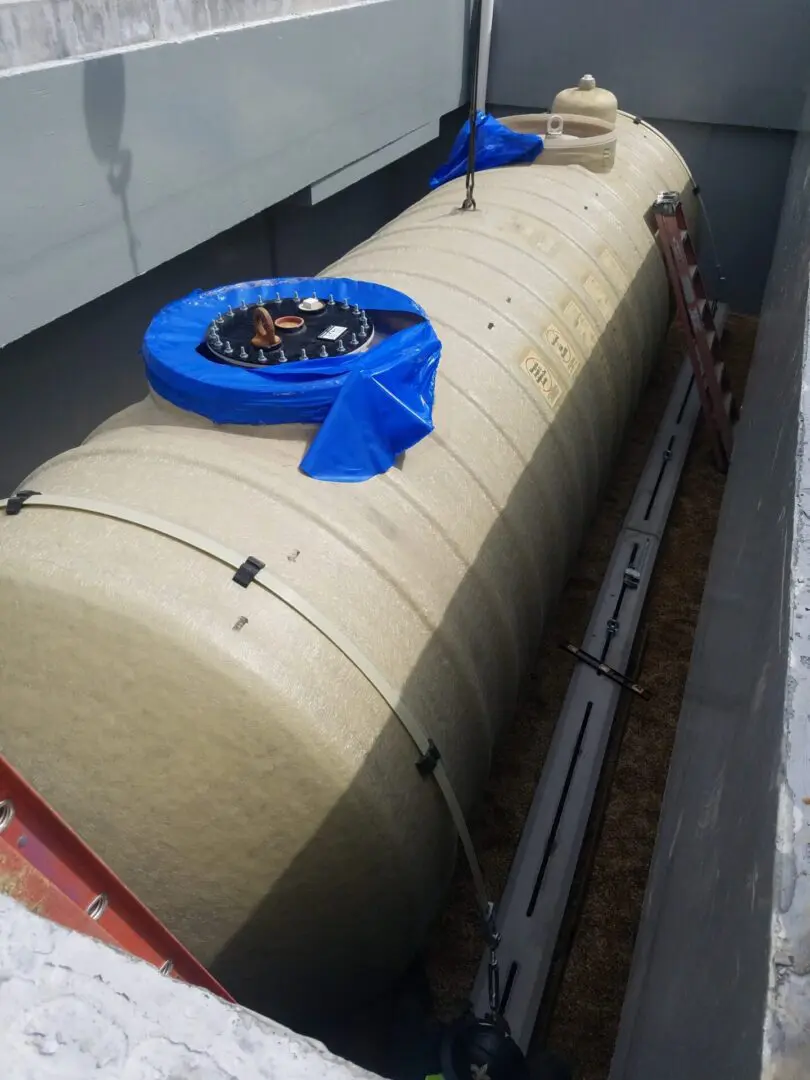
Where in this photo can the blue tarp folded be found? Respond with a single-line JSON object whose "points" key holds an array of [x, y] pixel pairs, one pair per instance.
{"points": [[372, 405], [495, 144]]}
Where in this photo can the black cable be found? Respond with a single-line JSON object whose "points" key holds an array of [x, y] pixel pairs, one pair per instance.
{"points": [[474, 58]]}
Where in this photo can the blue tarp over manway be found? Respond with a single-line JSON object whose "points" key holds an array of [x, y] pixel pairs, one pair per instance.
{"points": [[371, 405]]}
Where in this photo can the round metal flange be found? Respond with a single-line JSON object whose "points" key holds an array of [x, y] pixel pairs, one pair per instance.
{"points": [[280, 331]]}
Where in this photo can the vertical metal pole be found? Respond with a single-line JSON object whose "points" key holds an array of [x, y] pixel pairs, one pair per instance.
{"points": [[484, 50]]}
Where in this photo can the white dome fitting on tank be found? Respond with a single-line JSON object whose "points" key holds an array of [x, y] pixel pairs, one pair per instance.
{"points": [[587, 99], [223, 756]]}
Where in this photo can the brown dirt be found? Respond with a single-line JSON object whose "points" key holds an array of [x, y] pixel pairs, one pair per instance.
{"points": [[585, 1019]]}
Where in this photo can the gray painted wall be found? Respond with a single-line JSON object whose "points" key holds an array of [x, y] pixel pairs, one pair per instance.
{"points": [[726, 81], [726, 910], [127, 159], [59, 382], [787, 1026], [704, 61], [742, 173]]}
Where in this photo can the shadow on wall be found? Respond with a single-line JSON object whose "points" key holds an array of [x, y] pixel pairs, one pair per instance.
{"points": [[104, 101]]}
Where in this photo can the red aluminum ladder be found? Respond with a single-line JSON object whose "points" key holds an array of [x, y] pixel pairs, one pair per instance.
{"points": [[697, 317], [47, 867]]}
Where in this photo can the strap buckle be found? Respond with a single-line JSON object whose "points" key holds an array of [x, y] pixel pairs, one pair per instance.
{"points": [[18, 501], [248, 570], [427, 763]]}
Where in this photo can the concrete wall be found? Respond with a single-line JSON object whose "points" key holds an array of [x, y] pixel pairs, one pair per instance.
{"points": [[39, 31], [726, 81], [722, 951], [117, 163], [58, 382]]}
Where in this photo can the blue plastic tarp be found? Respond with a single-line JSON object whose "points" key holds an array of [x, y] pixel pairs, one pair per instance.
{"points": [[495, 144], [372, 405]]}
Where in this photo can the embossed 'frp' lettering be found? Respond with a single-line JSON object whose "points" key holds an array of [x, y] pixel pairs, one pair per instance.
{"points": [[561, 346], [597, 293], [584, 329], [543, 378]]}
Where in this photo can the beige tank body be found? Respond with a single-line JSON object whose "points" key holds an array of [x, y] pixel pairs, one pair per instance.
{"points": [[221, 754]]}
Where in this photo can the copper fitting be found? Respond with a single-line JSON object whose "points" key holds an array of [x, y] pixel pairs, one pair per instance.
{"points": [[265, 336]]}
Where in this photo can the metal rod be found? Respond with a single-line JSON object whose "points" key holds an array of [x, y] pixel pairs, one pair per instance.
{"points": [[484, 50], [474, 54]]}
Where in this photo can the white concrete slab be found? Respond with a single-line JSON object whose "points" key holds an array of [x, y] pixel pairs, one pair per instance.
{"points": [[72, 1008]]}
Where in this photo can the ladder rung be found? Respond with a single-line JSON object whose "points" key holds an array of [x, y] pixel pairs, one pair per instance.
{"points": [[686, 244], [686, 240], [702, 321]]}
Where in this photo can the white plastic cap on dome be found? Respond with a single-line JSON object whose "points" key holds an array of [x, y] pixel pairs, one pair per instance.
{"points": [[587, 82]]}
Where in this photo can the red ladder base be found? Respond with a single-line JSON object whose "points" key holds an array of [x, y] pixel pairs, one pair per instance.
{"points": [[47, 867]]}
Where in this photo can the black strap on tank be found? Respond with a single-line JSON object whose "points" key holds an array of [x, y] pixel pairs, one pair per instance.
{"points": [[248, 570]]}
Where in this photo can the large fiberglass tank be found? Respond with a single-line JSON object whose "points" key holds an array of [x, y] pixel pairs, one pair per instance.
{"points": [[220, 752]]}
